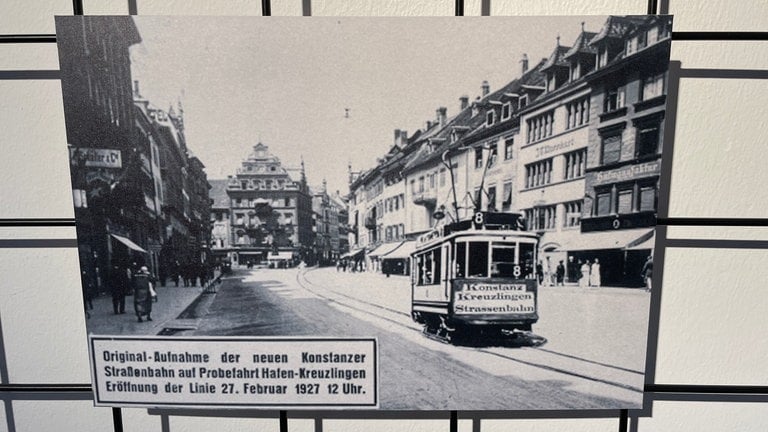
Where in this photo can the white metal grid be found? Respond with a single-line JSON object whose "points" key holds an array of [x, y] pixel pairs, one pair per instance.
{"points": [[742, 394]]}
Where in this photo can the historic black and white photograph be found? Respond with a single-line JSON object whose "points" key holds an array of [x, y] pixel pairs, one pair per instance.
{"points": [[476, 195]]}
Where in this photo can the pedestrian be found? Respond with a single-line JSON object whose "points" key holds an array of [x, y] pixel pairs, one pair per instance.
{"points": [[119, 281], [540, 272], [560, 274], [142, 294], [647, 273], [88, 293], [594, 276], [584, 280]]}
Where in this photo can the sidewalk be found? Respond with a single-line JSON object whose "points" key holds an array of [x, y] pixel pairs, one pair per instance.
{"points": [[171, 302]]}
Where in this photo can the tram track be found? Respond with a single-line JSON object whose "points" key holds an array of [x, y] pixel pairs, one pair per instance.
{"points": [[305, 283]]}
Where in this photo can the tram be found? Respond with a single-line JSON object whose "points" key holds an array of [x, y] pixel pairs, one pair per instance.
{"points": [[475, 277]]}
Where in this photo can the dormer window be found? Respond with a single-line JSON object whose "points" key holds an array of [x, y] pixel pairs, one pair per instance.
{"points": [[602, 56], [506, 110], [522, 102], [490, 118]]}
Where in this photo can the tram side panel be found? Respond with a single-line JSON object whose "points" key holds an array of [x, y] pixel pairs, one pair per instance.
{"points": [[430, 293]]}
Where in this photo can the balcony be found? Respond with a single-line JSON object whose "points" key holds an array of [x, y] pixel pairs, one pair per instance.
{"points": [[425, 198]]}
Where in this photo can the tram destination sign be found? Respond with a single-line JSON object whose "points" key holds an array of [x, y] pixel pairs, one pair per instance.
{"points": [[279, 249], [502, 298]]}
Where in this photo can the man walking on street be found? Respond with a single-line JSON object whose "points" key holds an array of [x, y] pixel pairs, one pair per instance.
{"points": [[119, 287]]}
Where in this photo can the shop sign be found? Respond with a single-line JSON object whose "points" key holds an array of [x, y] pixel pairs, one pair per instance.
{"points": [[628, 173], [100, 158]]}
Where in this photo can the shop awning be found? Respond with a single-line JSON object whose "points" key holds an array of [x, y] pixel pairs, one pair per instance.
{"points": [[352, 253], [648, 243], [403, 251], [280, 256], [618, 239], [384, 249], [131, 245]]}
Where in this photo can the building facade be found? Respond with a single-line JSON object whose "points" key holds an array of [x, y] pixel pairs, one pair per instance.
{"points": [[625, 144], [107, 171], [573, 144], [271, 213]]}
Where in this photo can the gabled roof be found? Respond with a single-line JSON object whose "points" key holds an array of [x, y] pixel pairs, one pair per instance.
{"points": [[616, 27], [218, 193], [581, 45], [556, 58]]}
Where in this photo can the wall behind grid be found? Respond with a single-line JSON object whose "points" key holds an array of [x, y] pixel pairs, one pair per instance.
{"points": [[711, 325]]}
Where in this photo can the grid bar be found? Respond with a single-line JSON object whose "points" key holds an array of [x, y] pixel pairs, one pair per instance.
{"points": [[37, 222], [117, 419], [459, 7], [266, 8], [623, 417], [745, 222], [454, 421], [28, 38], [77, 7], [719, 36], [46, 388], [705, 389]]}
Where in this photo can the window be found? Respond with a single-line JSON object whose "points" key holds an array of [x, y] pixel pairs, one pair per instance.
{"points": [[577, 113], [287, 202], [478, 157], [538, 173], [642, 40], [648, 198], [413, 186], [503, 260], [647, 140], [506, 110], [421, 184], [572, 214], [522, 102], [492, 198], [493, 153], [432, 181], [614, 99], [611, 151], [541, 126], [506, 202], [603, 207], [478, 264], [624, 201], [243, 184], [429, 267], [509, 144], [490, 117], [652, 87], [575, 163], [541, 218], [442, 177], [652, 35], [461, 259]]}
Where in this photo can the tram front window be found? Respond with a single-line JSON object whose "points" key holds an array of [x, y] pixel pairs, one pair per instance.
{"points": [[461, 259], [478, 259], [503, 260], [527, 260]]}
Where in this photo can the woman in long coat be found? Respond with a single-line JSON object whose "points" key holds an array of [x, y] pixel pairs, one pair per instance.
{"points": [[142, 297]]}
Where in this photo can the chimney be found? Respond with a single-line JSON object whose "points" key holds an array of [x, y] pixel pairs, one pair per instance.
{"points": [[136, 89], [486, 88], [404, 137], [429, 125], [524, 62], [397, 137], [441, 116], [464, 100]]}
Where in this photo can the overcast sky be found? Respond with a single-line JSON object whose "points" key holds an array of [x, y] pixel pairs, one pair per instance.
{"points": [[287, 81]]}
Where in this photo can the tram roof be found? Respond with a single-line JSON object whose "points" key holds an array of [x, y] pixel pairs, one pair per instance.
{"points": [[493, 225]]}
